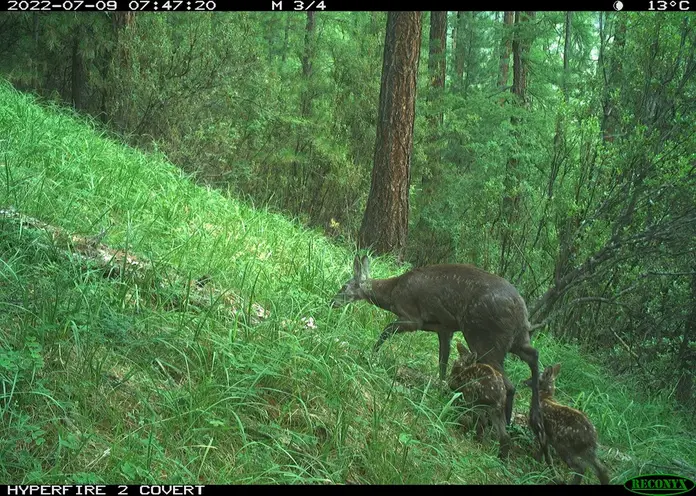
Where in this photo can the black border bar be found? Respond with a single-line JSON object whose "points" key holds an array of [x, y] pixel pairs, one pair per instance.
{"points": [[215, 490], [45, 6]]}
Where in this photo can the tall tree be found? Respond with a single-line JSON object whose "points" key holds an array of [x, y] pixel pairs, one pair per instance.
{"points": [[459, 47], [568, 242], [436, 70], [436, 59], [385, 223], [521, 44], [471, 52], [303, 143], [505, 48], [520, 48]]}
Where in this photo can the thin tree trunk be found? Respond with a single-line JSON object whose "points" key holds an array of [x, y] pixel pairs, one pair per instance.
{"points": [[459, 48], [471, 53], [436, 61], [505, 48], [511, 201]]}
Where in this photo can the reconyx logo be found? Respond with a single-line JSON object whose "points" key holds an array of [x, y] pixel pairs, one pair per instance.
{"points": [[659, 484]]}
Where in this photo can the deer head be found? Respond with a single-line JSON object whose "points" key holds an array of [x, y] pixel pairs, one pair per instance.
{"points": [[356, 288], [466, 357], [547, 380]]}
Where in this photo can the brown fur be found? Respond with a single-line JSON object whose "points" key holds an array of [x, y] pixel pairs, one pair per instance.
{"points": [[486, 308], [569, 431], [483, 390]]}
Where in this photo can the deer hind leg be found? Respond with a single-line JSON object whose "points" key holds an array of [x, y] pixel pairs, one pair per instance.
{"points": [[480, 418], [498, 420], [600, 470], [574, 461], [530, 355], [466, 421], [578, 465]]}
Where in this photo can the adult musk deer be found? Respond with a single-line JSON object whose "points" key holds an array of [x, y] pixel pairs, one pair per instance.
{"points": [[568, 430], [454, 297]]}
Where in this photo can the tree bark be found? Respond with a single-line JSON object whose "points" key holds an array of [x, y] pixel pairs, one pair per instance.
{"points": [[437, 72], [520, 49], [385, 223], [436, 59], [505, 48], [458, 49]]}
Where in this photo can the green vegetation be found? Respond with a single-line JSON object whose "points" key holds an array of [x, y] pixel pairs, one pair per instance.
{"points": [[133, 379], [555, 149]]}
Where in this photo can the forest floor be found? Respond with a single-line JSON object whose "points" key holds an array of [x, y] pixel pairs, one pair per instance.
{"points": [[156, 331]]}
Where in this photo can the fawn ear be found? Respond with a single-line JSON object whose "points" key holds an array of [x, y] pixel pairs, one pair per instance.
{"points": [[555, 369], [460, 348]]}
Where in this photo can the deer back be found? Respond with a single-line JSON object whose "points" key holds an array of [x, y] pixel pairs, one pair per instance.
{"points": [[568, 426], [452, 296]]}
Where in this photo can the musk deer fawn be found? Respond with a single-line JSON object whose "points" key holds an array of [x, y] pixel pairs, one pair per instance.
{"points": [[483, 390], [486, 308], [568, 430]]}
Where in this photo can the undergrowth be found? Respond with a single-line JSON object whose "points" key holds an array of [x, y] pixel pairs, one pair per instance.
{"points": [[129, 378]]}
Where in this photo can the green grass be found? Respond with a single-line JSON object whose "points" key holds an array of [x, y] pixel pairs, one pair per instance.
{"points": [[129, 379]]}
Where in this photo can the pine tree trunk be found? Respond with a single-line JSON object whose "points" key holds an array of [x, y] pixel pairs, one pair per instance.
{"points": [[385, 223]]}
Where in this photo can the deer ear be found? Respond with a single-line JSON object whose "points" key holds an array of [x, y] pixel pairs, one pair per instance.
{"points": [[356, 267], [547, 372], [460, 348], [556, 369], [365, 270]]}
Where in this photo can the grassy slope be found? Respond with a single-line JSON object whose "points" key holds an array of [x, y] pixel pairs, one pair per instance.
{"points": [[107, 381]]}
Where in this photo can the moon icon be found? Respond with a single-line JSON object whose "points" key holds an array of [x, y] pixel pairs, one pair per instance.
{"points": [[618, 5]]}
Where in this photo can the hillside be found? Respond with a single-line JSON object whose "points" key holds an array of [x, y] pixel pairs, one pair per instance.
{"points": [[211, 354]]}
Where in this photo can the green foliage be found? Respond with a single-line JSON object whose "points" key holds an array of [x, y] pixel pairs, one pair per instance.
{"points": [[107, 380], [221, 95], [598, 163]]}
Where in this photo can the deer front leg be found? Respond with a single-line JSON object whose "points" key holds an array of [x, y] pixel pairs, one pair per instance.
{"points": [[395, 327]]}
